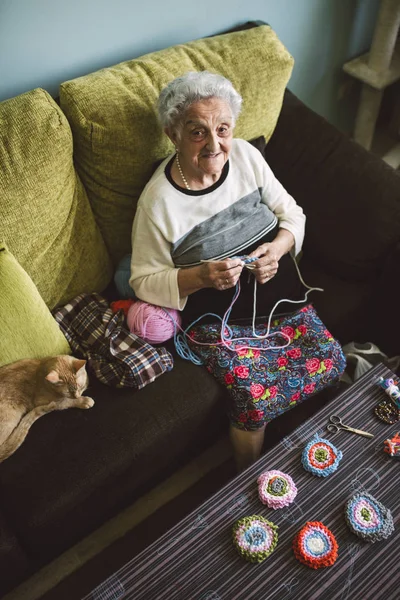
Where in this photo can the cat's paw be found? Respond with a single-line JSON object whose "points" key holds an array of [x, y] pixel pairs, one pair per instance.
{"points": [[86, 402]]}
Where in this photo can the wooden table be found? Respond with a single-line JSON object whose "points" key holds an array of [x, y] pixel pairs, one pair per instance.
{"points": [[196, 559]]}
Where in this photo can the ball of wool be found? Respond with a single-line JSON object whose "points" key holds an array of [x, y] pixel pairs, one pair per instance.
{"points": [[121, 278], [152, 323]]}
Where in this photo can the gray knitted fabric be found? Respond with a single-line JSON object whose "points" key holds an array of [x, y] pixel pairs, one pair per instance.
{"points": [[368, 518]]}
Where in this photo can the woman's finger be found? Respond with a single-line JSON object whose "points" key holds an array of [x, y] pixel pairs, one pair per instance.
{"points": [[266, 261], [265, 274], [260, 251]]}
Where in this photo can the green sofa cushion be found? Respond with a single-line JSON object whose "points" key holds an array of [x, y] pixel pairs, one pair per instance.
{"points": [[28, 329], [113, 118], [45, 215]]}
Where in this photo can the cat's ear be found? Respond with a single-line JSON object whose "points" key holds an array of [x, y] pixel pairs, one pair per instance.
{"points": [[53, 377], [79, 364]]}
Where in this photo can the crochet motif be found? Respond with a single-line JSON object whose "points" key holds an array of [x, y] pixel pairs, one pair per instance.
{"points": [[255, 538], [368, 518], [320, 457], [392, 446], [315, 545], [276, 489]]}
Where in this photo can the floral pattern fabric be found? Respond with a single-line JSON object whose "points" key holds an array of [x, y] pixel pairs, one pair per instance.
{"points": [[266, 383]]}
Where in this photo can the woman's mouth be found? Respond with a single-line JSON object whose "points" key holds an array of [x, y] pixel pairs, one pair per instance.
{"points": [[211, 155]]}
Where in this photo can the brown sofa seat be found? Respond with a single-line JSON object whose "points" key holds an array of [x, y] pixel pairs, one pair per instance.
{"points": [[76, 469]]}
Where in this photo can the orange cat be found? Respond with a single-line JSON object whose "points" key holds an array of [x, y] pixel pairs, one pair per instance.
{"points": [[31, 388]]}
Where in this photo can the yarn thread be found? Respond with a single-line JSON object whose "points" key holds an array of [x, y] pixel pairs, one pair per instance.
{"points": [[255, 538], [276, 489], [320, 457], [180, 339], [315, 545], [368, 518]]}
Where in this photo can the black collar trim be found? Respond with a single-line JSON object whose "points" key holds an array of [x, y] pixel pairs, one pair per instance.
{"points": [[212, 187]]}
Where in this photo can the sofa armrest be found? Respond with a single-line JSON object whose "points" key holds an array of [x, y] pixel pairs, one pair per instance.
{"points": [[351, 198]]}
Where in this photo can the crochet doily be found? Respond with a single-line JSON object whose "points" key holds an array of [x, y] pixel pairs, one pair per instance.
{"points": [[320, 457], [276, 489], [368, 518], [255, 538], [315, 545]]}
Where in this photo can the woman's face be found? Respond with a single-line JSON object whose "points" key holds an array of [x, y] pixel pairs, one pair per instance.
{"points": [[205, 137]]}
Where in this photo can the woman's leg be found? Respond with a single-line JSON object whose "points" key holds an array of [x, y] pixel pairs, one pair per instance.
{"points": [[246, 445]]}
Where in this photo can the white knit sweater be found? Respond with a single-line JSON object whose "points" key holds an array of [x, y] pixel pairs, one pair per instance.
{"points": [[177, 228]]}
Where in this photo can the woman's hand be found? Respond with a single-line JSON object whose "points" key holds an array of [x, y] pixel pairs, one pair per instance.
{"points": [[222, 274], [270, 254], [267, 266]]}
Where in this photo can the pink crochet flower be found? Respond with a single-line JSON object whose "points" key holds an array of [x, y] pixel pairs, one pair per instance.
{"points": [[229, 378], [309, 388], [241, 371], [241, 351], [257, 390], [273, 390], [276, 489], [328, 364], [295, 397], [313, 365], [255, 415], [294, 353], [289, 331], [282, 361]]}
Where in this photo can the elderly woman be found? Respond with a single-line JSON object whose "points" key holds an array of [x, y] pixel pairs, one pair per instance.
{"points": [[215, 198]]}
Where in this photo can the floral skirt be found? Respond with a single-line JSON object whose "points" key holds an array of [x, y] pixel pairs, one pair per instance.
{"points": [[264, 383]]}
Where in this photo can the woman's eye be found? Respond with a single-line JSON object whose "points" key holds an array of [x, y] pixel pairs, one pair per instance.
{"points": [[197, 134]]}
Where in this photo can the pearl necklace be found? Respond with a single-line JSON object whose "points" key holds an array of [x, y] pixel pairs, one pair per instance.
{"points": [[178, 164]]}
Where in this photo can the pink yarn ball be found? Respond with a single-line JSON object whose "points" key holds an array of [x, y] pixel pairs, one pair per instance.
{"points": [[151, 323]]}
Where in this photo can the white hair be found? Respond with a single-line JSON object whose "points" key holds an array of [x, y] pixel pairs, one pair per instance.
{"points": [[182, 92]]}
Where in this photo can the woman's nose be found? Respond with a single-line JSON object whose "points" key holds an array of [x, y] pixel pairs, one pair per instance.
{"points": [[213, 143]]}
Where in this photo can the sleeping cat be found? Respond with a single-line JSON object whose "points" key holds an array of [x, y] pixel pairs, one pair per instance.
{"points": [[31, 388]]}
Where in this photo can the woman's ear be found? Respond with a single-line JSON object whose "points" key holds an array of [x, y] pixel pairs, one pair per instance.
{"points": [[172, 135]]}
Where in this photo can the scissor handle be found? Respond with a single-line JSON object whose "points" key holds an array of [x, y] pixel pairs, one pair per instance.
{"points": [[333, 428], [336, 420]]}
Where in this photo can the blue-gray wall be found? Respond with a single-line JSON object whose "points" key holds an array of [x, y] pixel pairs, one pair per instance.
{"points": [[45, 42]]}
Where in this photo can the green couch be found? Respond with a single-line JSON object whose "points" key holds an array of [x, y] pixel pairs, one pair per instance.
{"points": [[70, 177]]}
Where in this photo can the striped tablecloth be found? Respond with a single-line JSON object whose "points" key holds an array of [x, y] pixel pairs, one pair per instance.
{"points": [[196, 559]]}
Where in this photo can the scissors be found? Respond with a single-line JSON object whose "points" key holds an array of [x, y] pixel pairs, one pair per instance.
{"points": [[336, 424]]}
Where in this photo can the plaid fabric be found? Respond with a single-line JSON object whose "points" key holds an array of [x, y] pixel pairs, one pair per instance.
{"points": [[117, 357]]}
